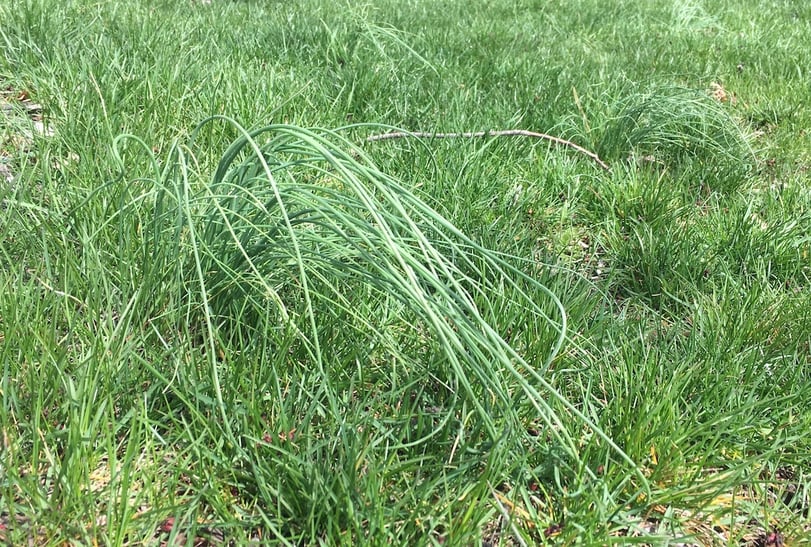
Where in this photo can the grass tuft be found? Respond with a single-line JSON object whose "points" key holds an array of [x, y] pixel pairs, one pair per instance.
{"points": [[675, 128]]}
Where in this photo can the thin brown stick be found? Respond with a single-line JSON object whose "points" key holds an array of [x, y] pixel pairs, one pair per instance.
{"points": [[504, 133]]}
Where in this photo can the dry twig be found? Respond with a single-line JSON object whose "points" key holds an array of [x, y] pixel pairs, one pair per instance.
{"points": [[503, 133]]}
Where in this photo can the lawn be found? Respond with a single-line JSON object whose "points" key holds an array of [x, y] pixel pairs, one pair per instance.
{"points": [[415, 272]]}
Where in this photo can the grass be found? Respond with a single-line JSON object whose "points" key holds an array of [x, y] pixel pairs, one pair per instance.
{"points": [[228, 317]]}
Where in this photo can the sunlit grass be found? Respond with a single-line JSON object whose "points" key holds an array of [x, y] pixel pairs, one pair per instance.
{"points": [[298, 336]]}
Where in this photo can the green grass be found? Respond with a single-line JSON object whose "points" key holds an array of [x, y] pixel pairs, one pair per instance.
{"points": [[227, 316]]}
